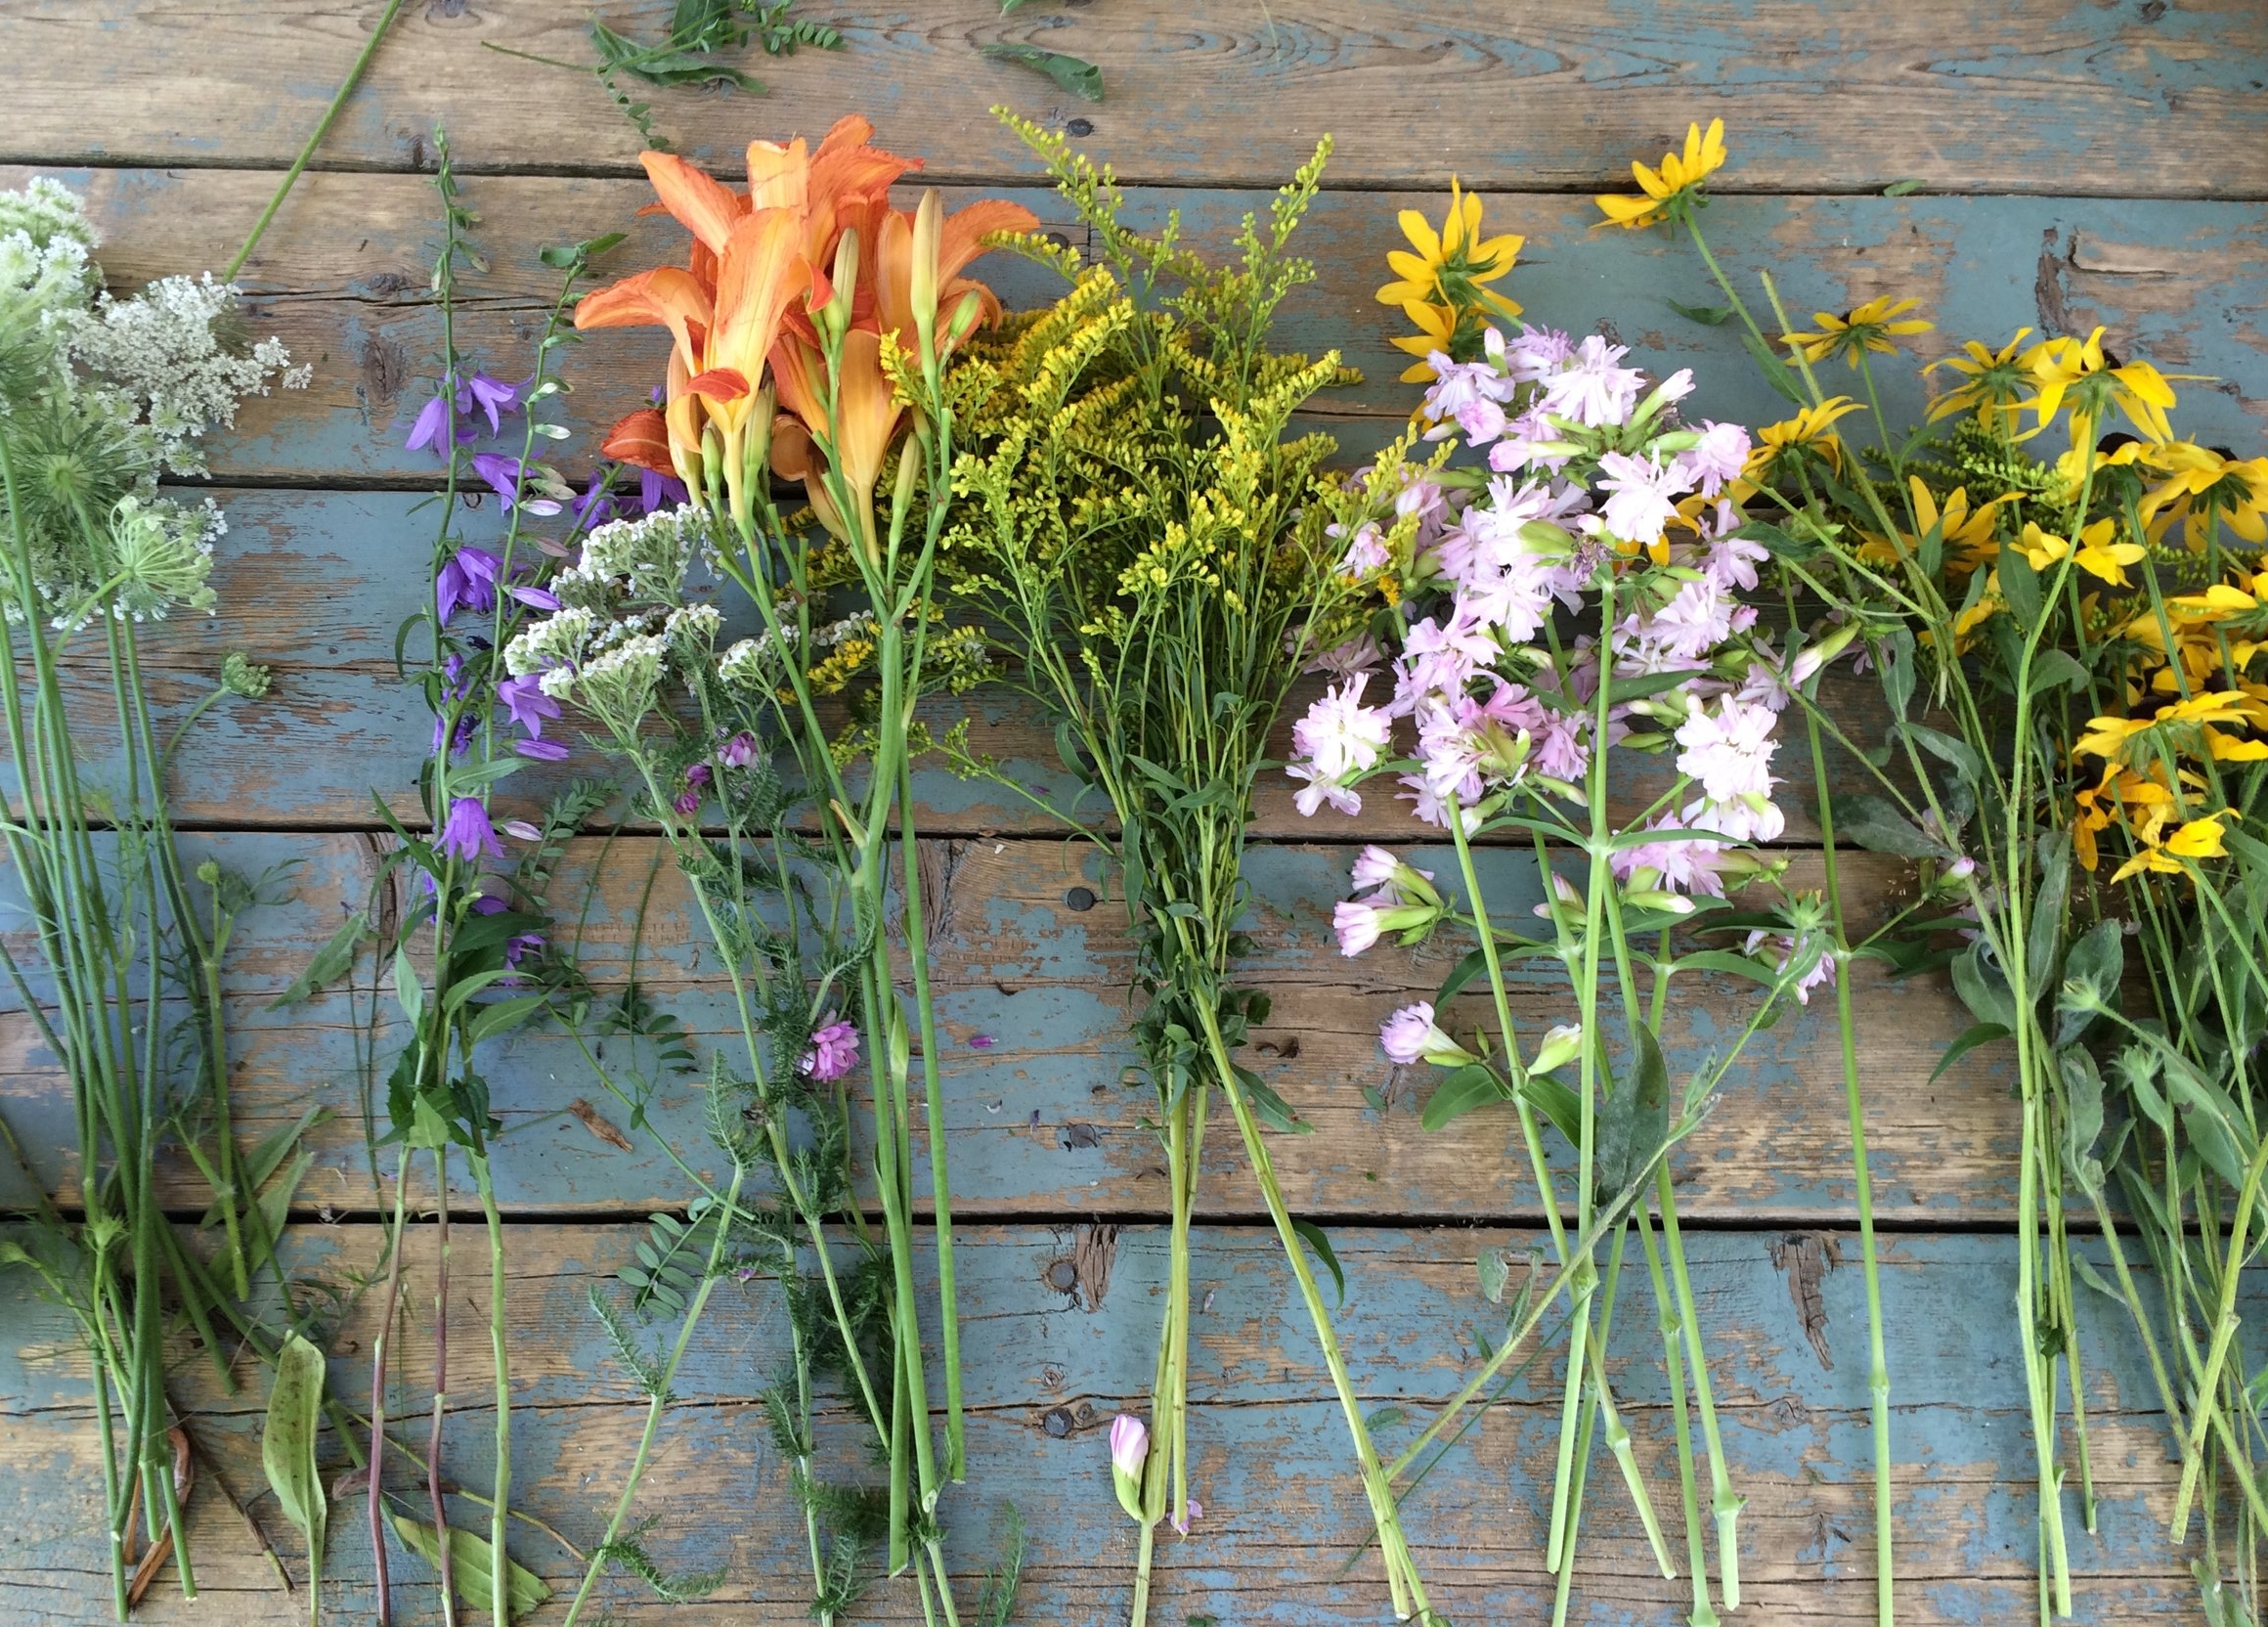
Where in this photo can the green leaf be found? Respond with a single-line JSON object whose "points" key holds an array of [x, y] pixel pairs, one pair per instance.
{"points": [[287, 1446], [1776, 371], [1495, 1273], [504, 1015], [2211, 1120], [1463, 972], [1901, 189], [1635, 1121], [1385, 1418], [1556, 1103], [2095, 963], [2056, 669], [2082, 1112], [1875, 824], [1313, 1236], [472, 1566], [475, 778], [1724, 960], [329, 964], [1709, 315], [1982, 1033], [1623, 689], [1983, 988], [2019, 586], [1081, 78], [1959, 754], [1473, 1085], [2050, 901], [1272, 1110], [407, 988], [1896, 653]]}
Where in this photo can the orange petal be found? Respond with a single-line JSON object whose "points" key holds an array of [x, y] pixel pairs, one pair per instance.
{"points": [[643, 439], [778, 176], [798, 369], [791, 449], [761, 270], [719, 384], [663, 297], [704, 206], [866, 411]]}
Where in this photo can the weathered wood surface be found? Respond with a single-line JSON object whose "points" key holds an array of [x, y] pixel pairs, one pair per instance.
{"points": [[341, 278], [2028, 95], [1047, 1371], [317, 585], [1032, 1006], [2138, 133]]}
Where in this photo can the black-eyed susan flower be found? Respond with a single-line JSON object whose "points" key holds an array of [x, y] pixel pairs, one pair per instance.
{"points": [[1874, 326], [2098, 554], [2144, 801], [1994, 383], [2198, 838], [1436, 330], [2203, 483], [1673, 188], [2094, 381], [1451, 267], [1810, 428]]}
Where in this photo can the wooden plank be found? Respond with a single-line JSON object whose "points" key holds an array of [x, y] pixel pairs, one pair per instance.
{"points": [[1046, 1373], [317, 585], [1033, 1003], [342, 280], [2027, 95]]}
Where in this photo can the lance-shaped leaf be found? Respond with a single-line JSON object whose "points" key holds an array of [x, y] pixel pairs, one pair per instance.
{"points": [[472, 1566], [287, 1451]]}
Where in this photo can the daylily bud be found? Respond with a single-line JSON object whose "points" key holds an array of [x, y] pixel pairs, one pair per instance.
{"points": [[1561, 1045], [1129, 1450], [927, 223], [965, 317], [836, 317]]}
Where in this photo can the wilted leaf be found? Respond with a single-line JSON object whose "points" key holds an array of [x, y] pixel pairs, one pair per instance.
{"points": [[472, 1566], [1081, 78], [288, 1447]]}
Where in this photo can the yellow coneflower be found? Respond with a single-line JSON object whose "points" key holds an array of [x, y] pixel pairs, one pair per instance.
{"points": [[2080, 369], [1809, 427], [2198, 838], [1437, 328], [1453, 266], [2098, 554], [2203, 483], [1873, 326], [1673, 189], [1997, 383]]}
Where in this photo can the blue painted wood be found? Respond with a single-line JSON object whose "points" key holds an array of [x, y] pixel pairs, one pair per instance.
{"points": [[342, 278], [1032, 1007], [1046, 1373], [2028, 95]]}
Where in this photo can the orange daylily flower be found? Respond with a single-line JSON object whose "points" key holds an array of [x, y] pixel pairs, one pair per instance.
{"points": [[642, 439]]}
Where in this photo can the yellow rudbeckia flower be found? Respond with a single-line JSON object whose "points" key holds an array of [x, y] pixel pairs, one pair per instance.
{"points": [[2202, 483], [1437, 328], [1671, 189], [2198, 838], [2145, 804], [1873, 326], [1993, 382], [2098, 555], [1452, 266], [1809, 427], [2095, 382]]}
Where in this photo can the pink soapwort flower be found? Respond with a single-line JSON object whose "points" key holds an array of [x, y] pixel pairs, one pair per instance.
{"points": [[834, 1051], [1356, 655], [1374, 867], [1537, 354], [1339, 739], [1435, 810], [1411, 1035], [1181, 1522], [1357, 925], [1689, 865], [1129, 1452], [1440, 658], [1643, 495], [1720, 456], [1731, 562], [1784, 947], [1522, 445], [1728, 750], [1365, 552], [1591, 390]]}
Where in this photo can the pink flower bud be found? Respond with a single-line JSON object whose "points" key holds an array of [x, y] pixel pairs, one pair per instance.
{"points": [[1130, 1453]]}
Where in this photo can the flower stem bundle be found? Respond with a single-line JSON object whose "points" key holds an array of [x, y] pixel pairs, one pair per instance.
{"points": [[99, 396], [1162, 561], [2062, 638], [1574, 607], [811, 330]]}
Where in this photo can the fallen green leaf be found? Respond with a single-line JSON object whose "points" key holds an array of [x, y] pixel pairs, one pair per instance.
{"points": [[1081, 78], [287, 1451], [472, 1566]]}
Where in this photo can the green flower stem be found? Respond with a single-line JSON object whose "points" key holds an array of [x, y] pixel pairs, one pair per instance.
{"points": [[447, 1564], [498, 1329], [933, 1106], [1855, 1105], [657, 1401], [1402, 1579], [1725, 1505], [1704, 1614], [314, 139], [374, 1498]]}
